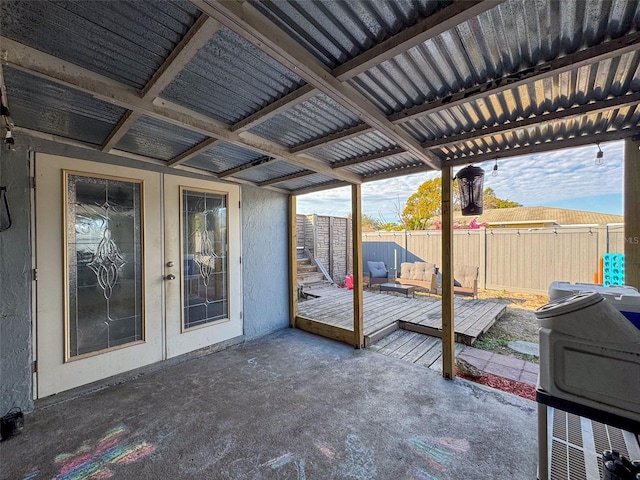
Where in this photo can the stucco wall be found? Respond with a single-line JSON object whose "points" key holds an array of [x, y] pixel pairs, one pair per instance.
{"points": [[15, 284], [264, 261], [264, 258]]}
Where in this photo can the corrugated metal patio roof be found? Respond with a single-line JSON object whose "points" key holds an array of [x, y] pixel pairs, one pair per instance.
{"points": [[302, 95]]}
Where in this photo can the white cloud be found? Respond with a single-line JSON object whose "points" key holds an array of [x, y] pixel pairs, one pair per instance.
{"points": [[532, 180]]}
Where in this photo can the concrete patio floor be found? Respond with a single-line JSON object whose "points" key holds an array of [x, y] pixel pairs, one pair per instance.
{"points": [[290, 406]]}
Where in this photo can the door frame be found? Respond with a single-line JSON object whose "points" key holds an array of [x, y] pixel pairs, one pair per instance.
{"points": [[178, 339], [55, 374]]}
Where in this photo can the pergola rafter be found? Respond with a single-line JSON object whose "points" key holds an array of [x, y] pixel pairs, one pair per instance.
{"points": [[606, 50], [196, 38], [547, 146], [425, 29], [51, 68], [247, 22]]}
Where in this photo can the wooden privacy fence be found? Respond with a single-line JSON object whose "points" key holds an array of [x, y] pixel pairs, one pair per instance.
{"points": [[525, 260], [327, 239]]}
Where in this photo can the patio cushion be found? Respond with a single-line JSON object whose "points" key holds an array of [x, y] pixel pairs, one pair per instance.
{"points": [[466, 275], [405, 270], [422, 271], [377, 270]]}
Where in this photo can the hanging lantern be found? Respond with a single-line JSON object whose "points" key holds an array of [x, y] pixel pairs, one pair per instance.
{"points": [[471, 181]]}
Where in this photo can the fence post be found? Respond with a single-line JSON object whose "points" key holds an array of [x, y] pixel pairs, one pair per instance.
{"points": [[483, 259], [406, 246], [331, 240], [603, 244]]}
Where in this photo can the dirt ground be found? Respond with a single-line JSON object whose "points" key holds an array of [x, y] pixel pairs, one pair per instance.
{"points": [[518, 323]]}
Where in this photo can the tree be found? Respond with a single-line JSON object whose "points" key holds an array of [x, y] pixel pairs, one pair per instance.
{"points": [[425, 204], [491, 201]]}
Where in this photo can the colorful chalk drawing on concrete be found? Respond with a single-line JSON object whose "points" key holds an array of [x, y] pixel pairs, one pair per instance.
{"points": [[325, 449], [88, 463], [286, 459], [359, 463], [438, 453]]}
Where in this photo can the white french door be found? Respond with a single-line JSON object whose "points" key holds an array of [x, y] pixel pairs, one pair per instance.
{"points": [[132, 268], [202, 263]]}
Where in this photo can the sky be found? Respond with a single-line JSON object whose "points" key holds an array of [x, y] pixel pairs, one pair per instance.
{"points": [[567, 178]]}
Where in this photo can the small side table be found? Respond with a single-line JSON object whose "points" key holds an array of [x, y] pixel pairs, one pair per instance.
{"points": [[396, 287]]}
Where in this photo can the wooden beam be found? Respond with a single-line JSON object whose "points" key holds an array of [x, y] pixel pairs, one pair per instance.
{"points": [[51, 68], [291, 176], [425, 29], [573, 61], [194, 151], [396, 172], [631, 209], [547, 146], [196, 38], [339, 334], [188, 171], [245, 20], [448, 334], [336, 137], [256, 163], [366, 158], [293, 261], [299, 95], [587, 56], [120, 130], [588, 109], [320, 188], [622, 101], [358, 302]]}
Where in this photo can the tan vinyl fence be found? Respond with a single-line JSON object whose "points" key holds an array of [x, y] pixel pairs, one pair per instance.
{"points": [[525, 260]]}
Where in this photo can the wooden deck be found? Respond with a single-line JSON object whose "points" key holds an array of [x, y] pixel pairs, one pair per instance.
{"points": [[413, 347], [384, 313]]}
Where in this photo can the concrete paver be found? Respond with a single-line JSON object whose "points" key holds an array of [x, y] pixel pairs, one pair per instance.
{"points": [[502, 365]]}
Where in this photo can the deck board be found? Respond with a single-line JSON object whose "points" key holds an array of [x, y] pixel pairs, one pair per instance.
{"points": [[334, 306]]}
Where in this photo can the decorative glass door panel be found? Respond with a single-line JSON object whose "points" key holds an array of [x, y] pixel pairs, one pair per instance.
{"points": [[98, 233], [104, 302], [204, 253], [202, 279]]}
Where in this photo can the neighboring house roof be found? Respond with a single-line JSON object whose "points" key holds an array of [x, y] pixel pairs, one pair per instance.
{"points": [[558, 216]]}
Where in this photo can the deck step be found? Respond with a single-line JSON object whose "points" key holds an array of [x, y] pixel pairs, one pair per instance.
{"points": [[310, 277], [307, 268]]}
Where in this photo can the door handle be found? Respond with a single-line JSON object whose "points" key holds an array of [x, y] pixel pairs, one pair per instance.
{"points": [[171, 276]]}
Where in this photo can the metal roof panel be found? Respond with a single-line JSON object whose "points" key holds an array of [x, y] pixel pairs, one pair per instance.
{"points": [[498, 42], [156, 139], [124, 40], [222, 157], [395, 162], [337, 32], [268, 171], [599, 81], [312, 180], [371, 142], [229, 78], [317, 117], [45, 106], [592, 124]]}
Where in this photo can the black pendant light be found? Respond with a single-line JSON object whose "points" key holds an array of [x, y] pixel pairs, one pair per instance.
{"points": [[471, 182]]}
